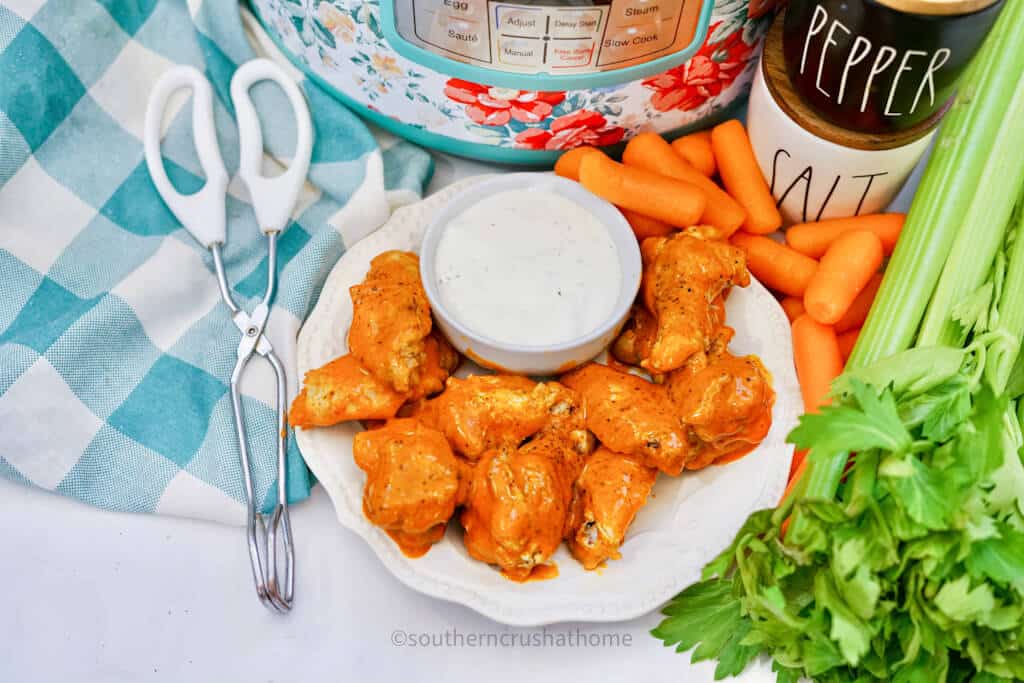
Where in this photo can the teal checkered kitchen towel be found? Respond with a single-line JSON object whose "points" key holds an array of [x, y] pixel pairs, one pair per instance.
{"points": [[115, 350]]}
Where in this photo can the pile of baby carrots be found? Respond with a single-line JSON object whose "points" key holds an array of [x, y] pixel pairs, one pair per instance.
{"points": [[825, 273]]}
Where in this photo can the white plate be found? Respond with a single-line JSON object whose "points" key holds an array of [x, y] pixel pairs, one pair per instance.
{"points": [[689, 519]]}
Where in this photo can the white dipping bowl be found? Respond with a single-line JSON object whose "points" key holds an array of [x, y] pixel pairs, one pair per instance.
{"points": [[524, 359]]}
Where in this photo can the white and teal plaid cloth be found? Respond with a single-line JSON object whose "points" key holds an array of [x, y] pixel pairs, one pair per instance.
{"points": [[115, 349]]}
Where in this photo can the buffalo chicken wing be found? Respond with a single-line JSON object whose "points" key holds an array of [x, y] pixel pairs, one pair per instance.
{"points": [[637, 338], [683, 277], [391, 320], [413, 482], [483, 412], [519, 498], [606, 497], [726, 403], [345, 390], [630, 415]]}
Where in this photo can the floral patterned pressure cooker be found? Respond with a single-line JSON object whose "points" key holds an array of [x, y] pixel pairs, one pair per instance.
{"points": [[519, 81]]}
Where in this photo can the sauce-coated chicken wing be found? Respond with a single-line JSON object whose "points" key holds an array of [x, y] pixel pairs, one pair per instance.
{"points": [[391, 319], [342, 390], [606, 497], [441, 361], [413, 482], [634, 343], [628, 414], [519, 498], [726, 403], [345, 390], [483, 412], [683, 275]]}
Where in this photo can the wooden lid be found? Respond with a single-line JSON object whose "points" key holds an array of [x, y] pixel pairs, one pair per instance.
{"points": [[773, 66], [943, 8]]}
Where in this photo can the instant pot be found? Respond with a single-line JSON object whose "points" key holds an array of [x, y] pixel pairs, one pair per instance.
{"points": [[519, 82]]}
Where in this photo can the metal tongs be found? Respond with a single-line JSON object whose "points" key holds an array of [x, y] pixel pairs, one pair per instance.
{"points": [[203, 214]]}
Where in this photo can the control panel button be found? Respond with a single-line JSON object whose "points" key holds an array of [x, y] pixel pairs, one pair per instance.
{"points": [[635, 12], [467, 38], [519, 22], [631, 42], [520, 51], [464, 37], [429, 27], [571, 54], [568, 23], [464, 9]]}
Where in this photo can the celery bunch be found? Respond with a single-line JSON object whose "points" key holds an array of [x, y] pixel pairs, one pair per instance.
{"points": [[906, 563]]}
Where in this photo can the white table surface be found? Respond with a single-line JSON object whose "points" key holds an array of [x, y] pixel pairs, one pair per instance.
{"points": [[91, 595]]}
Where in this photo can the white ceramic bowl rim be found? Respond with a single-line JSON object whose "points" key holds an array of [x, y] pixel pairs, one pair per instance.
{"points": [[606, 213]]}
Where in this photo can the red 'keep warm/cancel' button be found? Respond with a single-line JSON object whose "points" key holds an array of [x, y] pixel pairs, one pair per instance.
{"points": [[570, 54]]}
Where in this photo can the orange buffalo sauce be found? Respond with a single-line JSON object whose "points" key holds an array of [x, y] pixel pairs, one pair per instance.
{"points": [[541, 572]]}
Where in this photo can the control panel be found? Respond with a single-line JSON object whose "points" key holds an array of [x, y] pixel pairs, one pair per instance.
{"points": [[549, 38]]}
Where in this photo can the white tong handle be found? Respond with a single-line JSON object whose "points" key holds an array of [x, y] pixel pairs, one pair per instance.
{"points": [[273, 199], [201, 213]]}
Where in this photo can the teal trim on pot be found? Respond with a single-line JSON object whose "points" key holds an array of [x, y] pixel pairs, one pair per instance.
{"points": [[504, 79]]}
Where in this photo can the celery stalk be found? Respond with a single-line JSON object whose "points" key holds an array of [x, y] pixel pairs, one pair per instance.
{"points": [[822, 476], [1011, 304], [1011, 307], [951, 180], [983, 230]]}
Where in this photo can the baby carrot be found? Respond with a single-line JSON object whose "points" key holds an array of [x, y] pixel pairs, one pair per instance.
{"points": [[651, 194], [847, 340], [817, 358], [858, 311], [818, 361], [793, 306], [844, 270], [650, 152], [568, 165], [777, 266], [743, 178], [645, 226], [814, 239], [696, 149]]}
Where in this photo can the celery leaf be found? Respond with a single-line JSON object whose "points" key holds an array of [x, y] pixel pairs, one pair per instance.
{"points": [[928, 495], [841, 429], [707, 615], [958, 601], [1000, 559]]}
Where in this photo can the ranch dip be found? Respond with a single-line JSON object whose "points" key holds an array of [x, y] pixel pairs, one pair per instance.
{"points": [[528, 267]]}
